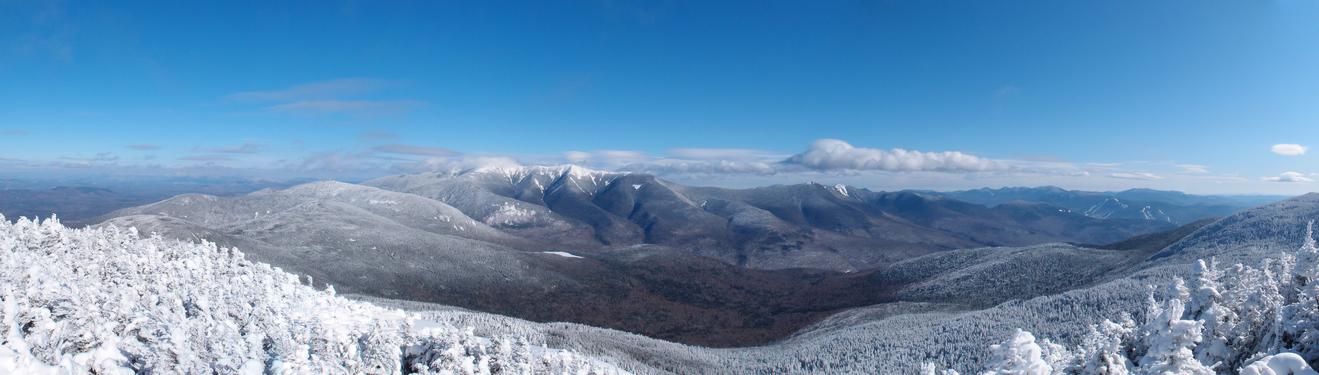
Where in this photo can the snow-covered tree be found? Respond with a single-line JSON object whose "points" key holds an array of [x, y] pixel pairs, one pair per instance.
{"points": [[1019, 355], [108, 301], [1170, 341], [1249, 320], [929, 368], [1101, 352], [1279, 364]]}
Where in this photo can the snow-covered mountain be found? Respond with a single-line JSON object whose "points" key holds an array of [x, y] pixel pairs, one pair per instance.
{"points": [[517, 199], [787, 226], [397, 245], [1134, 204]]}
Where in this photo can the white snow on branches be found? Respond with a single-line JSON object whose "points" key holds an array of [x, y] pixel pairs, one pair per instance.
{"points": [[1261, 320], [109, 301]]}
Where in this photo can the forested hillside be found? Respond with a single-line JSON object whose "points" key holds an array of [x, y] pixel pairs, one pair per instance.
{"points": [[109, 301]]}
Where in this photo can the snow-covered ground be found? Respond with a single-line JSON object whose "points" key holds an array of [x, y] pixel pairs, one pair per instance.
{"points": [[1261, 319], [561, 253], [111, 301]]}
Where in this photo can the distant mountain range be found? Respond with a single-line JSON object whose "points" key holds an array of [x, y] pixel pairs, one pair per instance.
{"points": [[702, 265], [77, 203], [783, 226], [1137, 204]]}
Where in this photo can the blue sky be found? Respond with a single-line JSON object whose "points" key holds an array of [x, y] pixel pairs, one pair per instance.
{"points": [[1186, 95]]}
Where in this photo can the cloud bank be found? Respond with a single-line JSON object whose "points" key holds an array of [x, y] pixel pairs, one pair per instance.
{"points": [[1289, 149], [833, 154], [823, 160], [1289, 177], [1135, 176]]}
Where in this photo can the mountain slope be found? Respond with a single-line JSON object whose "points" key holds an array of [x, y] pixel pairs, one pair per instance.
{"points": [[1134, 204], [515, 199], [1267, 229], [961, 339], [335, 229], [809, 225], [898, 337], [1247, 319], [402, 246], [645, 255]]}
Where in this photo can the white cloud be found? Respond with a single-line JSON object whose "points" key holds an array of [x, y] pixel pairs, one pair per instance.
{"points": [[606, 158], [577, 156], [330, 161], [1135, 176], [824, 156], [684, 161], [100, 157], [1193, 168], [1289, 149], [620, 154], [1289, 177], [468, 162], [833, 154], [702, 167]]}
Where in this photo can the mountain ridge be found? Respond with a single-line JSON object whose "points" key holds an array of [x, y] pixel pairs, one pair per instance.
{"points": [[1139, 203], [813, 225]]}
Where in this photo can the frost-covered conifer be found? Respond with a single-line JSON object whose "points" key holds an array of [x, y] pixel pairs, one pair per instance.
{"points": [[1248, 320], [108, 301], [1170, 341], [1279, 364], [1101, 352], [1019, 355], [929, 368]]}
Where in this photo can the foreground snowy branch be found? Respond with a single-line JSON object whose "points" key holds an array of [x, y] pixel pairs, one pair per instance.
{"points": [[109, 301], [1260, 320]]}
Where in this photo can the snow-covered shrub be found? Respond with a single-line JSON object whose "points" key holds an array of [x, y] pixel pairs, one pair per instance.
{"points": [[109, 301], [1279, 364], [1019, 355], [1242, 319]]}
